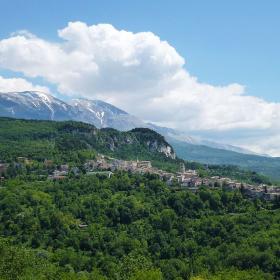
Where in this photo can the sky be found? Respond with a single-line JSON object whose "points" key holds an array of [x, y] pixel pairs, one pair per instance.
{"points": [[209, 68]]}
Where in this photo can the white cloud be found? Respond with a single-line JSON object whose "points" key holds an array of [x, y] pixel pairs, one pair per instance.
{"points": [[145, 76], [19, 84]]}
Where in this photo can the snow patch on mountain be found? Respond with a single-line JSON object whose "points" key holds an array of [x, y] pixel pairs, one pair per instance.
{"points": [[39, 105]]}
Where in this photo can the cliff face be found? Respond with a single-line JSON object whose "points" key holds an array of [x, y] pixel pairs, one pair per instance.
{"points": [[161, 147], [168, 151], [135, 141], [70, 136]]}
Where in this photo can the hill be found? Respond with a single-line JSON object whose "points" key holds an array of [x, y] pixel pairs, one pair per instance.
{"points": [[264, 165], [75, 142], [72, 141], [131, 227], [127, 226]]}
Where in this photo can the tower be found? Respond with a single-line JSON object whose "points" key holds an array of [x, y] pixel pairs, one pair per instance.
{"points": [[182, 167]]}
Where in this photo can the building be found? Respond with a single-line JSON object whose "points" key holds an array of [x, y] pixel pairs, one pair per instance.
{"points": [[182, 167], [144, 164]]}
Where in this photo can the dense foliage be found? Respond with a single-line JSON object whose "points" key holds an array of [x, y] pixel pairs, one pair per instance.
{"points": [[129, 226], [132, 225], [64, 141]]}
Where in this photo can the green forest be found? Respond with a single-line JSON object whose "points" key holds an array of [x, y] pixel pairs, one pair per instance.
{"points": [[134, 227], [74, 142], [129, 226]]}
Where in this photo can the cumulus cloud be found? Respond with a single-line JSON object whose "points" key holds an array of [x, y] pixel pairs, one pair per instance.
{"points": [[19, 84], [142, 74]]}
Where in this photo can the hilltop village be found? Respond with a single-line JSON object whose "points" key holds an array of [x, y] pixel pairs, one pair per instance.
{"points": [[186, 179]]}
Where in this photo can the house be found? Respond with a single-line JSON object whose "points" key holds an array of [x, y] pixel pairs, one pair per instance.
{"points": [[186, 182], [144, 164], [196, 182], [190, 172], [207, 182]]}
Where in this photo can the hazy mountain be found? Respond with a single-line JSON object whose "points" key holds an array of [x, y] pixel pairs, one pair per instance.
{"points": [[180, 136], [103, 114], [269, 166]]}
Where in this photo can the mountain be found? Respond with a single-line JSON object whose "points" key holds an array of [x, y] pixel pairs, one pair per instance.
{"points": [[102, 114], [34, 105], [42, 106], [41, 140], [38, 105], [180, 136]]}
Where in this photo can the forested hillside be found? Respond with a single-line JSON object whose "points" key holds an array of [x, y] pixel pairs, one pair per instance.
{"points": [[127, 225], [134, 227], [74, 142]]}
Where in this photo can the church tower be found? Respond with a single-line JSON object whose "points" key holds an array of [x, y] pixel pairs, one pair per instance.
{"points": [[182, 168]]}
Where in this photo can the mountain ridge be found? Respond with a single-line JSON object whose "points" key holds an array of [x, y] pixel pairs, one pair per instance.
{"points": [[42, 106], [97, 112]]}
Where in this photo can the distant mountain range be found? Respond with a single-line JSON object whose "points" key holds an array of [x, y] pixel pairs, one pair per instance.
{"points": [[42, 106], [38, 105]]}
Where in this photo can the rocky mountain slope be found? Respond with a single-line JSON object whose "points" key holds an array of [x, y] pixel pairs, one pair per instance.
{"points": [[40, 139], [34, 105], [102, 114]]}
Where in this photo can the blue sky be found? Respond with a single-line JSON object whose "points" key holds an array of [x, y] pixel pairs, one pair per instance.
{"points": [[222, 41], [208, 68]]}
